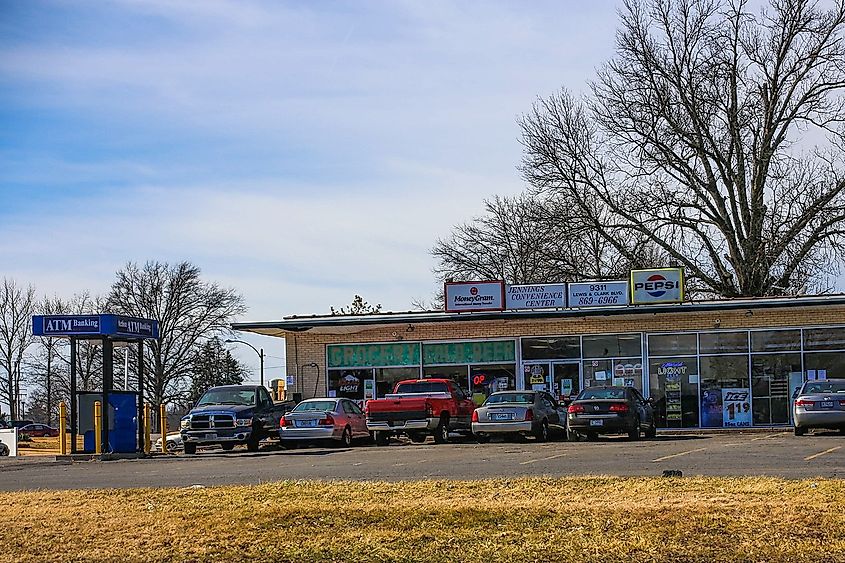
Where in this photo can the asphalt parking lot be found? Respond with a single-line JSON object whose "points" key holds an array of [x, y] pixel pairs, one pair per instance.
{"points": [[777, 454]]}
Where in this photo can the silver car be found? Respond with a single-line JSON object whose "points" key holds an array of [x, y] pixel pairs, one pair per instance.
{"points": [[534, 413], [338, 420], [174, 443], [820, 404]]}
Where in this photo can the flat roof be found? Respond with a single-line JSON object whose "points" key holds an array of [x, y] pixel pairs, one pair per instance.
{"points": [[340, 324]]}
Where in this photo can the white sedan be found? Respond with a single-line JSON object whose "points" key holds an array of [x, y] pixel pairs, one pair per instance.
{"points": [[174, 443]]}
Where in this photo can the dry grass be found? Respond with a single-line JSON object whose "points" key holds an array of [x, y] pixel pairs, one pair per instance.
{"points": [[575, 519]]}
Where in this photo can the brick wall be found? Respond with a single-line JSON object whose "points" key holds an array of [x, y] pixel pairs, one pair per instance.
{"points": [[310, 347]]}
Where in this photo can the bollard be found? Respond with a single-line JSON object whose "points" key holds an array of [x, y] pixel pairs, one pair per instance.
{"points": [[147, 423], [98, 425], [63, 427], [163, 415]]}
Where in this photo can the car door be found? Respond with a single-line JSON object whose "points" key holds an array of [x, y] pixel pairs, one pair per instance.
{"points": [[641, 406], [465, 406], [264, 409], [547, 403], [356, 418]]}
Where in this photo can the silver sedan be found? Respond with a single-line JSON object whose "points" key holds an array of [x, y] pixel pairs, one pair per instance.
{"points": [[338, 420], [820, 404], [519, 412]]}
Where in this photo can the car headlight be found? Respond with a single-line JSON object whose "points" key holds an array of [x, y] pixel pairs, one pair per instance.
{"points": [[244, 422], [185, 423]]}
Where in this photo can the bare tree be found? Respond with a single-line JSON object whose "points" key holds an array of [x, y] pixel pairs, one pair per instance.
{"points": [[357, 307], [17, 305], [716, 134], [534, 238], [188, 310]]}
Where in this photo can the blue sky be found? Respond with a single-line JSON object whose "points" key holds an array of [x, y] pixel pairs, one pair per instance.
{"points": [[301, 152]]}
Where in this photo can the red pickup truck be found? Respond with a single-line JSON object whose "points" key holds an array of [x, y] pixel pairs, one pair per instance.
{"points": [[419, 407]]}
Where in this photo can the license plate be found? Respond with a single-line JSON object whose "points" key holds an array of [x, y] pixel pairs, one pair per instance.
{"points": [[826, 404], [501, 416], [211, 436], [596, 423], [306, 423]]}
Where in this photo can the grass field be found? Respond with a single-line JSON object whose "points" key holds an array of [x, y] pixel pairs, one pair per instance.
{"points": [[572, 519]]}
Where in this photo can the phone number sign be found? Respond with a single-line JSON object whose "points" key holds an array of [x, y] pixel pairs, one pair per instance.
{"points": [[598, 294]]}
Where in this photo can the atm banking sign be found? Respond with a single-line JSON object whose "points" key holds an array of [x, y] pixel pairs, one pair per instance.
{"points": [[663, 285]]}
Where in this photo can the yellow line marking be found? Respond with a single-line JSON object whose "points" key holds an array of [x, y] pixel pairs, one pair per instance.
{"points": [[678, 455], [764, 437], [814, 456], [542, 459]]}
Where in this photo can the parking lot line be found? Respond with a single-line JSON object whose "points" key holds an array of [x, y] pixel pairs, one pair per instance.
{"points": [[680, 454], [767, 436], [541, 459], [814, 456]]}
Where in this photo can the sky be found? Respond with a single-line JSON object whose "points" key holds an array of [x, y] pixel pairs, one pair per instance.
{"points": [[300, 152]]}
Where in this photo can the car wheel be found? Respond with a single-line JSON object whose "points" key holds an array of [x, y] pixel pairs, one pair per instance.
{"points": [[634, 432], [171, 446], [190, 448], [417, 437], [592, 436], [482, 438], [799, 430], [346, 438], [382, 438], [651, 433], [542, 432], [441, 434], [572, 436], [227, 446]]}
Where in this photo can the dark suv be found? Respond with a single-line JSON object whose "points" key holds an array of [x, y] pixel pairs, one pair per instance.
{"points": [[611, 410]]}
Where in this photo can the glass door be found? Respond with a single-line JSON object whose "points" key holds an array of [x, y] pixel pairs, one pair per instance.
{"points": [[566, 380]]}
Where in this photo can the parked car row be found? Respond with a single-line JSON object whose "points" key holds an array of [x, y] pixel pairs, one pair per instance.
{"points": [[419, 408]]}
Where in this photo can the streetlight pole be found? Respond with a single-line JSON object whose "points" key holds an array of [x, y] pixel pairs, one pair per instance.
{"points": [[257, 351]]}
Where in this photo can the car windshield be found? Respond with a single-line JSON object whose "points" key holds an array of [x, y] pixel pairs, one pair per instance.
{"points": [[424, 387], [228, 397], [521, 398], [824, 387], [309, 406], [601, 393]]}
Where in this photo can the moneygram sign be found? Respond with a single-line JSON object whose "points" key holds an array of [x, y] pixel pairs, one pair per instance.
{"points": [[474, 296], [663, 285]]}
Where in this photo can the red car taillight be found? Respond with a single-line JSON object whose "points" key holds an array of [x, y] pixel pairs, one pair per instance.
{"points": [[474, 416], [574, 409], [529, 415], [327, 421], [804, 403], [285, 422], [619, 407]]}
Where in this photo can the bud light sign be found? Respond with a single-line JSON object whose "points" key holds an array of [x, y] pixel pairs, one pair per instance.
{"points": [[663, 285]]}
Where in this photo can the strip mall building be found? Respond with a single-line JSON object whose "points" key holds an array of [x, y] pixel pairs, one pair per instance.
{"points": [[708, 364]]}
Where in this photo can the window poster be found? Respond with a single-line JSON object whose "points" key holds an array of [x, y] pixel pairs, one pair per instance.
{"points": [[736, 407]]}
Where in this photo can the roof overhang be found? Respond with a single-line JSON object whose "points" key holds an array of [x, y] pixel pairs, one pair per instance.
{"points": [[348, 324]]}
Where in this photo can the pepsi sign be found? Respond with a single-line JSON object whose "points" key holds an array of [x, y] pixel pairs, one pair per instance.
{"points": [[662, 285]]}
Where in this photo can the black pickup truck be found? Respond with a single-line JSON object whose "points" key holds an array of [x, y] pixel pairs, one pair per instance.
{"points": [[230, 415]]}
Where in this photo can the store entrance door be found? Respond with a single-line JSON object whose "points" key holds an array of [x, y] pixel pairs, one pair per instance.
{"points": [[566, 380]]}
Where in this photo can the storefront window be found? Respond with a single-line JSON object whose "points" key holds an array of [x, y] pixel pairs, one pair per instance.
{"points": [[674, 387], [485, 380], [621, 372], [775, 340], [536, 376], [682, 343], [386, 378], [458, 374], [725, 393], [770, 386], [824, 339], [558, 348], [824, 365], [723, 342], [567, 380], [348, 383], [612, 345]]}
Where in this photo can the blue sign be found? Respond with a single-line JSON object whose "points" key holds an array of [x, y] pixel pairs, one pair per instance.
{"points": [[94, 325]]}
